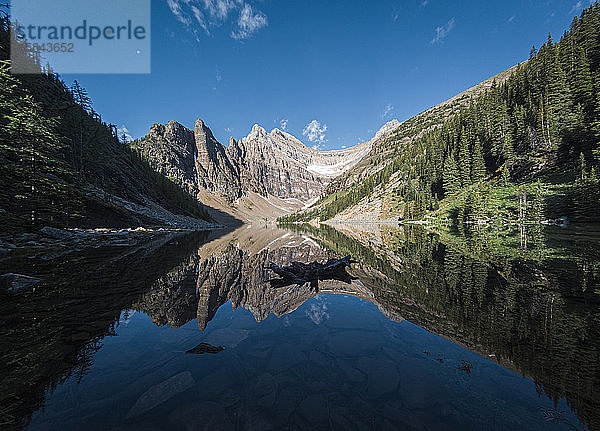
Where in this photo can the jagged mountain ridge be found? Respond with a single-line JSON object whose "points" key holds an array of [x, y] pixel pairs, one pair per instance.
{"points": [[267, 163]]}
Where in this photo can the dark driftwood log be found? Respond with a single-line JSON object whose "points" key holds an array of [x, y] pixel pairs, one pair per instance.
{"points": [[299, 273]]}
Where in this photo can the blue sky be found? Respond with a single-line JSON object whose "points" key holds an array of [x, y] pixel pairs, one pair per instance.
{"points": [[336, 71]]}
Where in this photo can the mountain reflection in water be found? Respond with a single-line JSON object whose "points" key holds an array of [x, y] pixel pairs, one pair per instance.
{"points": [[344, 357]]}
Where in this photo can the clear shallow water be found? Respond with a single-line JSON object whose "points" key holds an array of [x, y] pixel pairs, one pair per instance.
{"points": [[335, 361], [103, 345]]}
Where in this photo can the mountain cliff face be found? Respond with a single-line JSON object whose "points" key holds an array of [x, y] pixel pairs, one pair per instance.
{"points": [[214, 170], [173, 151], [269, 164], [285, 167], [192, 158]]}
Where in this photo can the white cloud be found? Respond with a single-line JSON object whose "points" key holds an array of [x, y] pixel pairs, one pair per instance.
{"points": [[442, 33], [512, 18], [249, 22], [424, 3], [205, 15], [123, 132], [283, 123], [576, 7], [315, 132], [218, 9], [199, 16], [579, 6], [175, 7], [388, 111], [218, 75]]}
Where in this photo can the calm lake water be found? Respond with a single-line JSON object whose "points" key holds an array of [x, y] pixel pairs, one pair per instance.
{"points": [[474, 330]]}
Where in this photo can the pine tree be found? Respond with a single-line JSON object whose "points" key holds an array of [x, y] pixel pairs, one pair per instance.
{"points": [[81, 97], [581, 81], [590, 28], [451, 176], [505, 175], [464, 160], [508, 151], [31, 149], [478, 170], [542, 124], [476, 205], [558, 97]]}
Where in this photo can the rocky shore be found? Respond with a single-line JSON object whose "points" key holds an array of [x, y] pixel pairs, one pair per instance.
{"points": [[40, 243]]}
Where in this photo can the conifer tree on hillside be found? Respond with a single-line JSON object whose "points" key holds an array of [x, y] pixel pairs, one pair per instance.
{"points": [[464, 160], [451, 176], [478, 163]]}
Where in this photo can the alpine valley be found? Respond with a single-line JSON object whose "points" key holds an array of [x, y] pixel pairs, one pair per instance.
{"points": [[443, 275], [528, 134]]}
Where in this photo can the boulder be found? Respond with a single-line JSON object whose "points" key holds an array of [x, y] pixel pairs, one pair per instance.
{"points": [[55, 233], [205, 348], [161, 393], [15, 283]]}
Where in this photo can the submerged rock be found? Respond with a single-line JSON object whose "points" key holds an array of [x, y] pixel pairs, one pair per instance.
{"points": [[56, 233], [203, 415], [228, 337], [561, 221], [465, 366], [15, 283], [161, 393], [205, 348]]}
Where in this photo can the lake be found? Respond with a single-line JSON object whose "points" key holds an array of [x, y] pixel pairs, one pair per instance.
{"points": [[438, 330]]}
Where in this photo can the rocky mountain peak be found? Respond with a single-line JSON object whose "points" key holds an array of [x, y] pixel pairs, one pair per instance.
{"points": [[387, 127], [171, 130], [269, 163], [282, 133], [204, 137], [172, 149], [257, 132], [286, 167], [157, 129], [214, 169]]}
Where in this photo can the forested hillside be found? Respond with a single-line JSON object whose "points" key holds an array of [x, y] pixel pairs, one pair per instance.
{"points": [[526, 149], [61, 165]]}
